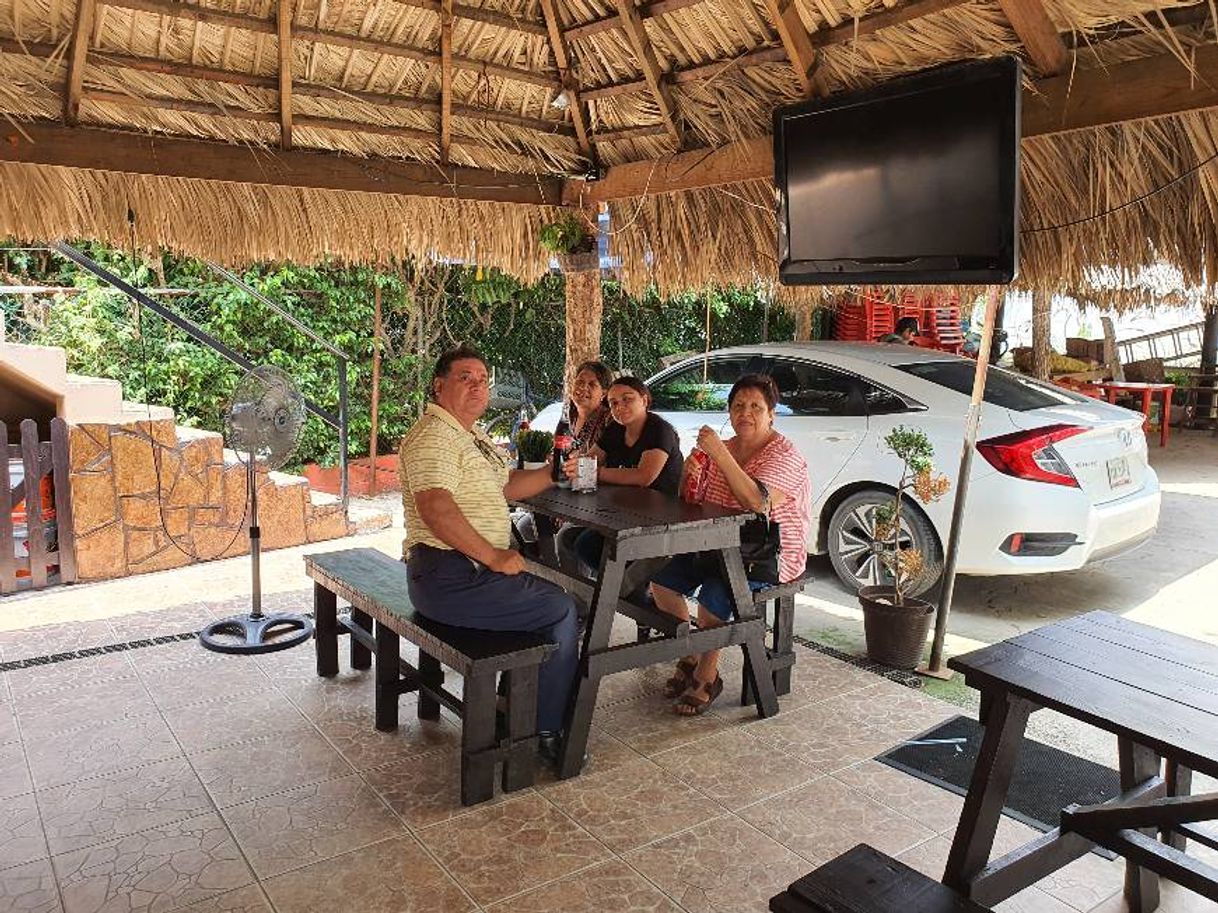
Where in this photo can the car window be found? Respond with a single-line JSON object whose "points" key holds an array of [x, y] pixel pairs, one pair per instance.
{"points": [[879, 401], [1002, 388], [699, 387], [808, 389]]}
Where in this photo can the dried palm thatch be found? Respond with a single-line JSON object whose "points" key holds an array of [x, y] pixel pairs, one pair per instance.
{"points": [[367, 78]]}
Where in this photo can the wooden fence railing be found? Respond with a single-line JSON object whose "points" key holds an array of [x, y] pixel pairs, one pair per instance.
{"points": [[47, 555]]}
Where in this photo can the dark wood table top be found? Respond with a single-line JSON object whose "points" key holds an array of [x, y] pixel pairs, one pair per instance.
{"points": [[1158, 688], [625, 510]]}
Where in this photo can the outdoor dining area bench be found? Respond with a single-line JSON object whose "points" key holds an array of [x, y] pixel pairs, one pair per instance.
{"points": [[864, 880], [498, 703]]}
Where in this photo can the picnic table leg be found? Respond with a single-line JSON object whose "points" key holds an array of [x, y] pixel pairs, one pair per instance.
{"points": [[477, 738], [361, 656], [1165, 420], [1179, 783], [387, 678], [1005, 722], [520, 766], [1138, 764], [756, 670], [325, 629], [596, 639], [430, 676], [784, 640]]}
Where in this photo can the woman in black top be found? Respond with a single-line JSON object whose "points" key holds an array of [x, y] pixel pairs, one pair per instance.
{"points": [[639, 448]]}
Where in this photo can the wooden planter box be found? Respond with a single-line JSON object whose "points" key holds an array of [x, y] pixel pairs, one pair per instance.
{"points": [[359, 476]]}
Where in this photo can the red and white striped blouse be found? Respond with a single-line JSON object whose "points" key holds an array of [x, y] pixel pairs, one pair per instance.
{"points": [[781, 467]]}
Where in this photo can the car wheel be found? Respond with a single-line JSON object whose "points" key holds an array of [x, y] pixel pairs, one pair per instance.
{"points": [[853, 550]]}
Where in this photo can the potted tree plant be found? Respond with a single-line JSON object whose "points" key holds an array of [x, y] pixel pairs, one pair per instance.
{"points": [[896, 623], [571, 242], [534, 448]]}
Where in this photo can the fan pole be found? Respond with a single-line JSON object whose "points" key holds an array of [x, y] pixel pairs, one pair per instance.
{"points": [[255, 537]]}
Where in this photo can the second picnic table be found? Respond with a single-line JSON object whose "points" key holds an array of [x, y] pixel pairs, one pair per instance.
{"points": [[639, 523]]}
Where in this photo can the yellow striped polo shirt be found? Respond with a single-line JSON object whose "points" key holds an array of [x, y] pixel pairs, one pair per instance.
{"points": [[438, 453]]}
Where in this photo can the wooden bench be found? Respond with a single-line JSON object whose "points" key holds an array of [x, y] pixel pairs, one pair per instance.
{"points": [[781, 649], [498, 718], [864, 880]]}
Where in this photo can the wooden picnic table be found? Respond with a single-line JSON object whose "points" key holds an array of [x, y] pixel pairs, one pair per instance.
{"points": [[1157, 692], [639, 523], [1113, 388]]}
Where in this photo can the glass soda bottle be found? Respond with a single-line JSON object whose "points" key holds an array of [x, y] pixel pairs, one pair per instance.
{"points": [[564, 443]]}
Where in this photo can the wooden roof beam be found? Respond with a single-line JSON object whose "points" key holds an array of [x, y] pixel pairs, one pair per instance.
{"points": [[284, 22], [636, 31], [46, 50], [141, 153], [1156, 86], [82, 29], [884, 19], [1038, 35], [613, 21], [337, 39], [795, 40], [446, 78], [562, 61]]}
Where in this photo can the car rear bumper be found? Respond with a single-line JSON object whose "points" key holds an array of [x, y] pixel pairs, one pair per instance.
{"points": [[1103, 531]]}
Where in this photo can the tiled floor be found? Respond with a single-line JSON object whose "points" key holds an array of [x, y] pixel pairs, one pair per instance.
{"points": [[167, 778]]}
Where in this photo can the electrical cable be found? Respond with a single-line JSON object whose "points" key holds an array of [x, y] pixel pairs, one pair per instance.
{"points": [[1134, 202]]}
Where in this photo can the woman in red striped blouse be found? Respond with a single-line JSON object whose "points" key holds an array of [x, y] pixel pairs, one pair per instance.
{"points": [[727, 473]]}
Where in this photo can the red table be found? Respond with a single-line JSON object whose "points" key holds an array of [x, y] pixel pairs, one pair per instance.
{"points": [[1112, 388]]}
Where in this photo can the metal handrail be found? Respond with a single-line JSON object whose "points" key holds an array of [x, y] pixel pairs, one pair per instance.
{"points": [[197, 333]]}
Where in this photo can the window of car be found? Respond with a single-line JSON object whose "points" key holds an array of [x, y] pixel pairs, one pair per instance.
{"points": [[701, 386], [1002, 388], [810, 389]]}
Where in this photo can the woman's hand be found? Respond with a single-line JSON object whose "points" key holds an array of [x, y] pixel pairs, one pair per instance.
{"points": [[711, 444]]}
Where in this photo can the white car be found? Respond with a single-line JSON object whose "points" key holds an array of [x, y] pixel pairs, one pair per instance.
{"points": [[1059, 479]]}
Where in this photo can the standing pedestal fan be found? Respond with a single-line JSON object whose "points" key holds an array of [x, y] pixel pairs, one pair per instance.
{"points": [[262, 425]]}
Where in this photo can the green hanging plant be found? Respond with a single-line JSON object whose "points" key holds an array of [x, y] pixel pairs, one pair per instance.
{"points": [[569, 235]]}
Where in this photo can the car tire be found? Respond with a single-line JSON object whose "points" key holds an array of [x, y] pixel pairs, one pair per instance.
{"points": [[850, 537]]}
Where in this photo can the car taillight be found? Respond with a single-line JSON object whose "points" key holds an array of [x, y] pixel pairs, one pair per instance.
{"points": [[1031, 455]]}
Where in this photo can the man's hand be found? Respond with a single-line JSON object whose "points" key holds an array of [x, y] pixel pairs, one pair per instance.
{"points": [[506, 561]]}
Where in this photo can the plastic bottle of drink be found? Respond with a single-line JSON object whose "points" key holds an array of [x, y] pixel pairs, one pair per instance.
{"points": [[698, 477], [563, 445]]}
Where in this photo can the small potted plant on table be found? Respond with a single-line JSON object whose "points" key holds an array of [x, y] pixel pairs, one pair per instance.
{"points": [[895, 623], [534, 448]]}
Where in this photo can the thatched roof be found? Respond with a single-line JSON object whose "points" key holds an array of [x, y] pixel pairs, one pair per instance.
{"points": [[504, 104]]}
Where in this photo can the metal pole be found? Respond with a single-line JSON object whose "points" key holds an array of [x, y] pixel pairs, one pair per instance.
{"points": [[342, 429], [255, 537], [948, 588]]}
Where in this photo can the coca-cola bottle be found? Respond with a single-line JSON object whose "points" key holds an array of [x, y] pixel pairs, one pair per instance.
{"points": [[564, 443]]}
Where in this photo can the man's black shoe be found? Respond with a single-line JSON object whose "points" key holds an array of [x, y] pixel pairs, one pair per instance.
{"points": [[550, 746]]}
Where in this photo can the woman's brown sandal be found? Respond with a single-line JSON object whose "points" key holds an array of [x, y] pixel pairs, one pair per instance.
{"points": [[691, 704], [680, 681]]}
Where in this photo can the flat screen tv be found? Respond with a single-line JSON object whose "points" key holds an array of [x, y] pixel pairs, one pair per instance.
{"points": [[915, 182]]}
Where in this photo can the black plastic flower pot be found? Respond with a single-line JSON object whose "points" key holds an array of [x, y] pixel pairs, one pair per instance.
{"points": [[896, 634]]}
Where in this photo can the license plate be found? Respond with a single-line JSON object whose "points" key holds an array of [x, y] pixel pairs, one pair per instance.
{"points": [[1118, 472]]}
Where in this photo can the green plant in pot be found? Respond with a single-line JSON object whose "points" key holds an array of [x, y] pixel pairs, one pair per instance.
{"points": [[571, 241], [534, 448], [896, 623]]}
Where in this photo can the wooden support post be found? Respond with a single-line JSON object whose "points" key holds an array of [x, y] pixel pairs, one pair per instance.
{"points": [[1112, 359], [1042, 309], [446, 78], [376, 388], [82, 28], [562, 61], [803, 321], [653, 73], [584, 311], [284, 22]]}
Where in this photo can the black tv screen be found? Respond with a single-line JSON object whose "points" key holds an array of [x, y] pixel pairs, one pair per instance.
{"points": [[913, 182]]}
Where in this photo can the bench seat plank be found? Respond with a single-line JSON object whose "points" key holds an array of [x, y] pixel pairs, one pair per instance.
{"points": [[376, 583]]}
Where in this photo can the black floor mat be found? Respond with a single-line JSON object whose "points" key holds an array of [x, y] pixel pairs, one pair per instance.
{"points": [[1046, 779]]}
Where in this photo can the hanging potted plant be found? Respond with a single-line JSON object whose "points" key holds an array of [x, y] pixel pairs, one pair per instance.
{"points": [[533, 448], [896, 623], [571, 242]]}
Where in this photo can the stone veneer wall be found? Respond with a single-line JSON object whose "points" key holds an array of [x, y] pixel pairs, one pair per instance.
{"points": [[126, 504]]}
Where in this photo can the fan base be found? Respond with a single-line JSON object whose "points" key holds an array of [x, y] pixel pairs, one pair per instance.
{"points": [[253, 633]]}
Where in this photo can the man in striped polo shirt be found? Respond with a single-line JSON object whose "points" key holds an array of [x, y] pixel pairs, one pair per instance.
{"points": [[455, 487]]}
